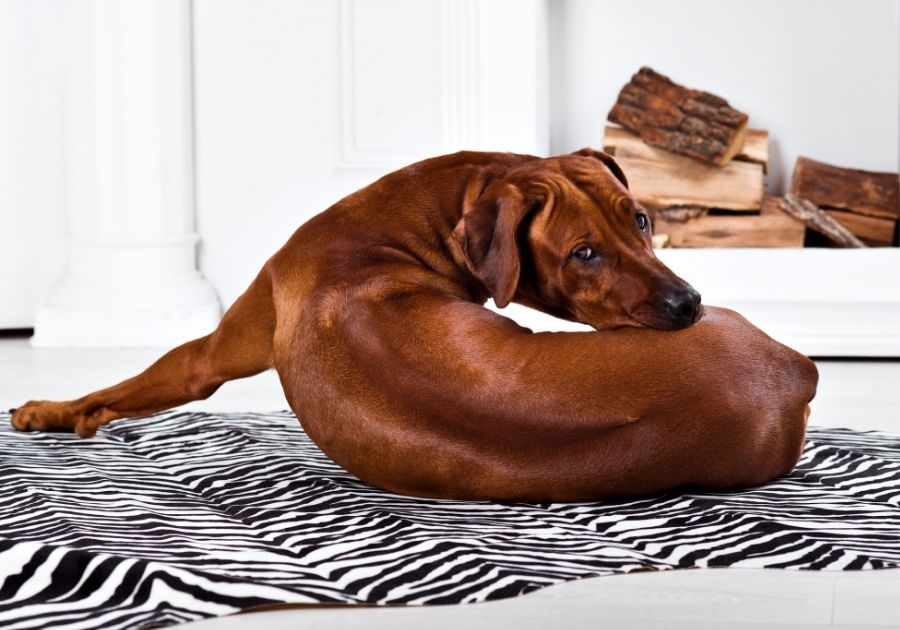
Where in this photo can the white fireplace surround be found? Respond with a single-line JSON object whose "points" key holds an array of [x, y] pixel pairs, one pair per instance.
{"points": [[823, 302], [131, 275]]}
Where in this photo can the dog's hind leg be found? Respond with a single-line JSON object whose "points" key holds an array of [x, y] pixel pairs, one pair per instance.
{"points": [[240, 346]]}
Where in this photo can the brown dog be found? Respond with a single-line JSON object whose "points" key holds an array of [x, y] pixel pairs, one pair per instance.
{"points": [[373, 316]]}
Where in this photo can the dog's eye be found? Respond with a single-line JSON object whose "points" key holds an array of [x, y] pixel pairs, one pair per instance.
{"points": [[642, 220], [584, 252]]}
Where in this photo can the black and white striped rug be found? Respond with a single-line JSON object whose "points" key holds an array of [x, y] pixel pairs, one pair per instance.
{"points": [[188, 515]]}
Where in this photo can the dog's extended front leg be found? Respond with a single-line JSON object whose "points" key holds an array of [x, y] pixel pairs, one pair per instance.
{"points": [[240, 346]]}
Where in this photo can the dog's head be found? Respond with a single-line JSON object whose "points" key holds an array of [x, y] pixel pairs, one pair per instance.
{"points": [[565, 236]]}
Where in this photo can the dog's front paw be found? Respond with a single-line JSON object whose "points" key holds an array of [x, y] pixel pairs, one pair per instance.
{"points": [[45, 415]]}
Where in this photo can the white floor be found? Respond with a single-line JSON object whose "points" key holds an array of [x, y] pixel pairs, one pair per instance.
{"points": [[855, 394]]}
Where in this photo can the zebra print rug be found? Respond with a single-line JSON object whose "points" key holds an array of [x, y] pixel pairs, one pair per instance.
{"points": [[184, 516]]}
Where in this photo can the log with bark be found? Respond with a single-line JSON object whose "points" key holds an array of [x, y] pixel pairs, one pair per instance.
{"points": [[661, 179], [698, 124], [875, 231], [863, 192], [756, 146], [674, 180], [816, 218]]}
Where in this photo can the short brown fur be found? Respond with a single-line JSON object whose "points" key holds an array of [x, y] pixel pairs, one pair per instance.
{"points": [[373, 316]]}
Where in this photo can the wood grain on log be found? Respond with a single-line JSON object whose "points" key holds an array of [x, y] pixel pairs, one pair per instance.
{"points": [[865, 192], [682, 120], [756, 146], [772, 205], [680, 181], [816, 219], [733, 231], [679, 214], [870, 230]]}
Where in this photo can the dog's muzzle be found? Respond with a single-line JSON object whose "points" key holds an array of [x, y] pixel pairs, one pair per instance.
{"points": [[682, 308]]}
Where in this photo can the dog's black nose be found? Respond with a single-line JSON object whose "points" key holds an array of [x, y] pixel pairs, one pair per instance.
{"points": [[683, 307]]}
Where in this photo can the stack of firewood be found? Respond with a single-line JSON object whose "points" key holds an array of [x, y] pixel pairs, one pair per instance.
{"points": [[691, 159]]}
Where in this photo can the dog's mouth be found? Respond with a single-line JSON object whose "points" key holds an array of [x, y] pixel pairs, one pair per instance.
{"points": [[665, 321], [673, 308], [666, 316], [651, 321]]}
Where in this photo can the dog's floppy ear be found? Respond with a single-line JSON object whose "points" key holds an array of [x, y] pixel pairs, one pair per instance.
{"points": [[487, 235], [607, 160]]}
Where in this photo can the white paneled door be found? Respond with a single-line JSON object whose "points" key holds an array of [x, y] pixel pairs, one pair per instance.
{"points": [[300, 103]]}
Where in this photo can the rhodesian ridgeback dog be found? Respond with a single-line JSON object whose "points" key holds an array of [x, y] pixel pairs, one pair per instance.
{"points": [[373, 315]]}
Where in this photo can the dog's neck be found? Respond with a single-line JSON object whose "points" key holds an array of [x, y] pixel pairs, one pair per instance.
{"points": [[424, 239]]}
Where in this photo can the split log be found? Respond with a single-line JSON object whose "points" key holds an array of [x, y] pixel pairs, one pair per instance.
{"points": [[679, 214], [864, 192], [616, 139], [698, 124], [680, 181], [753, 230], [875, 231], [660, 241], [818, 220], [756, 148], [772, 205]]}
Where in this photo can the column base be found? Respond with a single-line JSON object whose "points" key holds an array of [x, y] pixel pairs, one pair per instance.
{"points": [[128, 294]]}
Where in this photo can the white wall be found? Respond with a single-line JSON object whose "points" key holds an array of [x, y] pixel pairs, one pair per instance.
{"points": [[820, 75]]}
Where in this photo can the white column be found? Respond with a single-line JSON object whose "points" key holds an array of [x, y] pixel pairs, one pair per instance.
{"points": [[131, 276]]}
